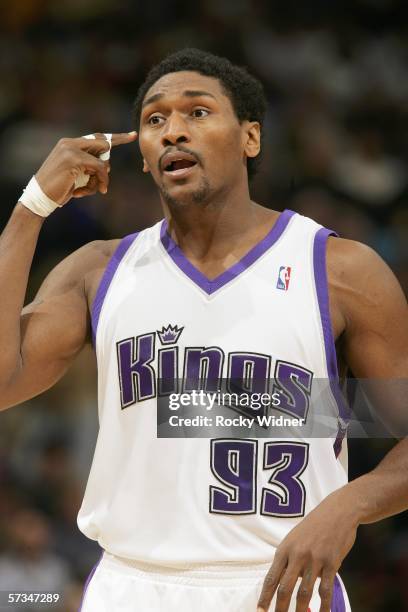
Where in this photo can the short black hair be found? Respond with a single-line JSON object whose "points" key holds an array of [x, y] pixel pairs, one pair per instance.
{"points": [[245, 91]]}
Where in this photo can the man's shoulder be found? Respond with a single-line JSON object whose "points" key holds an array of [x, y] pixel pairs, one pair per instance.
{"points": [[94, 257], [91, 261], [360, 282], [351, 261], [99, 249], [86, 260]]}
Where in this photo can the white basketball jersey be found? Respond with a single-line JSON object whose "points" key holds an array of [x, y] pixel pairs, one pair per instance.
{"points": [[179, 502]]}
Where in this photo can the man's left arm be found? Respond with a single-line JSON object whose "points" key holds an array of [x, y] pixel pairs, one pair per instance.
{"points": [[368, 306]]}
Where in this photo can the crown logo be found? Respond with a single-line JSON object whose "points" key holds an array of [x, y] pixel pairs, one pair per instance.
{"points": [[169, 334]]}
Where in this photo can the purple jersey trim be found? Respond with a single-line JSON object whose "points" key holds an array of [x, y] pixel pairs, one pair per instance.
{"points": [[210, 286], [88, 580], [337, 603], [320, 274], [106, 280]]}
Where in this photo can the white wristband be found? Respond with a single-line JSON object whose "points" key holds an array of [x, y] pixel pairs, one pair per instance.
{"points": [[82, 178], [39, 203], [36, 200]]}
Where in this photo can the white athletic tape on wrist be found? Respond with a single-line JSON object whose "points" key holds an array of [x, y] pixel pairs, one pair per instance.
{"points": [[36, 200], [82, 178], [39, 203]]}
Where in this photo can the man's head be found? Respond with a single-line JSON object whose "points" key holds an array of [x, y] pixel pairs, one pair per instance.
{"points": [[205, 111]]}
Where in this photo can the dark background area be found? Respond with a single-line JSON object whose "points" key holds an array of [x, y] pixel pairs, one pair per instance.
{"points": [[335, 149]]}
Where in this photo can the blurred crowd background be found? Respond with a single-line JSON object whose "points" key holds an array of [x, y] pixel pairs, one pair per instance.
{"points": [[336, 149]]}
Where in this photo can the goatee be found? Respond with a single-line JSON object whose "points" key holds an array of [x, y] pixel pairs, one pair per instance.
{"points": [[199, 196]]}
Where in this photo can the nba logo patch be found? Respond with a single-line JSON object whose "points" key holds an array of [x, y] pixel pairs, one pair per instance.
{"points": [[284, 278]]}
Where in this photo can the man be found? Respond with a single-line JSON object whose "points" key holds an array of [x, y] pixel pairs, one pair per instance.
{"points": [[225, 285]]}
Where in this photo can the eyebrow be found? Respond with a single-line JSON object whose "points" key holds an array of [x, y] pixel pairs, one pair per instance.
{"points": [[188, 93]]}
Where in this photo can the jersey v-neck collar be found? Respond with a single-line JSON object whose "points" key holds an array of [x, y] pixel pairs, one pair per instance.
{"points": [[211, 286]]}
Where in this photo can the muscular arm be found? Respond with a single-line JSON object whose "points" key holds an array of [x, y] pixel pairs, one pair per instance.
{"points": [[369, 316], [38, 343], [375, 346], [368, 306], [51, 330]]}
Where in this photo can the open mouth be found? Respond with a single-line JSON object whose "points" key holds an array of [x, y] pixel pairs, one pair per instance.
{"points": [[179, 164]]}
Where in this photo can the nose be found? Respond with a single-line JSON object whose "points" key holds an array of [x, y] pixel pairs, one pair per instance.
{"points": [[175, 131]]}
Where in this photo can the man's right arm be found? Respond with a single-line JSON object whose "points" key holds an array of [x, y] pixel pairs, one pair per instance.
{"points": [[38, 343]]}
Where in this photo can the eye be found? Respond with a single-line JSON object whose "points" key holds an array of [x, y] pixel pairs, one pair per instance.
{"points": [[200, 113], [155, 120]]}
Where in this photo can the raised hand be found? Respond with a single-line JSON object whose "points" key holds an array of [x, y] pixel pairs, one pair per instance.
{"points": [[72, 156]]}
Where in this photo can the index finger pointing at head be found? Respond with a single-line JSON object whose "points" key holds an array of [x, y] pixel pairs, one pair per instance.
{"points": [[124, 138]]}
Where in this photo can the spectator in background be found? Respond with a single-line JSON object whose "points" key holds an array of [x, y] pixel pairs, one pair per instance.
{"points": [[28, 565]]}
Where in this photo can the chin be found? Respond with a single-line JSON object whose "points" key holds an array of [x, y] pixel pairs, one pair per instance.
{"points": [[184, 194]]}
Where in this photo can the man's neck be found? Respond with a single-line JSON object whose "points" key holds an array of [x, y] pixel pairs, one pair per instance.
{"points": [[210, 231], [214, 247]]}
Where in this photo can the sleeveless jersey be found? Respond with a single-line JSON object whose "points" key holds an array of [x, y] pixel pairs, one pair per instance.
{"points": [[180, 502]]}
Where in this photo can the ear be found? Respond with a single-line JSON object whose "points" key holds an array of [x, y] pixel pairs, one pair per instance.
{"points": [[146, 168], [252, 138]]}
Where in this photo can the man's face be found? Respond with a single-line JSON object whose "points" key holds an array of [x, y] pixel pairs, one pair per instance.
{"points": [[191, 140]]}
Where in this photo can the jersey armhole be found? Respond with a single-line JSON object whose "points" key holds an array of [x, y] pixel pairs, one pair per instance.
{"points": [[106, 281], [322, 292]]}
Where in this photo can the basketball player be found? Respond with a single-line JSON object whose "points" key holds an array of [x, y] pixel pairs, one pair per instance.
{"points": [[198, 524]]}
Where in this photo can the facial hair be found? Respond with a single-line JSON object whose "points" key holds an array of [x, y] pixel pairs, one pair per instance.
{"points": [[200, 196]]}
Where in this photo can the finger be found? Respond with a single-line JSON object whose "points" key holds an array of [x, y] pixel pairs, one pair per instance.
{"points": [[93, 165], [285, 588], [81, 192], [305, 590], [94, 146], [100, 144], [93, 184], [88, 164], [89, 189], [326, 589], [108, 137], [271, 582], [103, 187], [125, 138]]}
